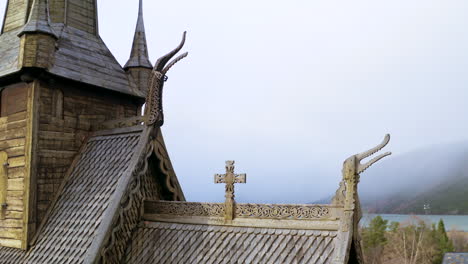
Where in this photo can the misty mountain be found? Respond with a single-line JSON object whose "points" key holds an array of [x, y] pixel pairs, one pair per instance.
{"points": [[437, 176]]}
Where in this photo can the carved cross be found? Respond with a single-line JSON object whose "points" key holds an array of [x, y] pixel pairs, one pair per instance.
{"points": [[230, 178]]}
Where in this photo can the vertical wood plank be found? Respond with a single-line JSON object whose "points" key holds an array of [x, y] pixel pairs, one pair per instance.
{"points": [[3, 183], [29, 220]]}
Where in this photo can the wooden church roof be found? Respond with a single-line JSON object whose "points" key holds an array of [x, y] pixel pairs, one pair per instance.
{"points": [[102, 194], [121, 201], [81, 55], [162, 242], [110, 209]]}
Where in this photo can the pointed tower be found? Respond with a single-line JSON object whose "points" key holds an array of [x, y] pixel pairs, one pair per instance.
{"points": [[58, 82], [139, 65], [37, 44]]}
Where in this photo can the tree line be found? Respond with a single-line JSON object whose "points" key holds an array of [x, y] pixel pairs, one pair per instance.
{"points": [[411, 242]]}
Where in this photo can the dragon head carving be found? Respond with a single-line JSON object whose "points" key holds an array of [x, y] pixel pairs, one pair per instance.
{"points": [[154, 109], [347, 194], [352, 166]]}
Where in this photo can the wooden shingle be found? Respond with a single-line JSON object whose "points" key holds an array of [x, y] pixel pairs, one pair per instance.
{"points": [[74, 219], [159, 242]]}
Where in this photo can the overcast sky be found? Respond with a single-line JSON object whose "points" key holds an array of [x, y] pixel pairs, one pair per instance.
{"points": [[290, 89]]}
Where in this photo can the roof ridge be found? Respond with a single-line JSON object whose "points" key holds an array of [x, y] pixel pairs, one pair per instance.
{"points": [[105, 236], [118, 130]]}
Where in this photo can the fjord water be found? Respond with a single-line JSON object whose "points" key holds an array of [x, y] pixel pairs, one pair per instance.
{"points": [[452, 222]]}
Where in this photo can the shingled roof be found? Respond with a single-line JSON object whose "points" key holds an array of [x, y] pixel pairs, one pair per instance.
{"points": [[120, 173], [159, 242], [230, 232], [80, 55], [78, 212], [85, 215], [84, 57], [120, 200], [188, 232]]}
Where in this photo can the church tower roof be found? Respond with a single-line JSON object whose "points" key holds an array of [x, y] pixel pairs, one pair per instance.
{"points": [[79, 54], [39, 21], [139, 54]]}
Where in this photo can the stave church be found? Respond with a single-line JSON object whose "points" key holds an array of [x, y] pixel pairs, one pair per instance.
{"points": [[85, 176]]}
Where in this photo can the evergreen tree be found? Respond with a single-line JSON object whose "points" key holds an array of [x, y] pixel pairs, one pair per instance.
{"points": [[393, 227], [374, 235], [374, 239], [444, 244]]}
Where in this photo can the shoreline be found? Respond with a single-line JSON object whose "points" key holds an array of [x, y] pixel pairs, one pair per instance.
{"points": [[367, 213], [452, 222]]}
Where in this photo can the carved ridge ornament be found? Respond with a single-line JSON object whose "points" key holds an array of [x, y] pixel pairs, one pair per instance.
{"points": [[272, 211], [230, 178], [189, 209], [261, 211]]}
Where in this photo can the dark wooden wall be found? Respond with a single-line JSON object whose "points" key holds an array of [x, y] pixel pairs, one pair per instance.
{"points": [[67, 113], [42, 126]]}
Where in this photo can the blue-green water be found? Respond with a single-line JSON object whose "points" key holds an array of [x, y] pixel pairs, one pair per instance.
{"points": [[452, 222]]}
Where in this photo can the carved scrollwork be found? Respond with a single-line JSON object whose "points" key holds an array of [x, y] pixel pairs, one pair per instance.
{"points": [[272, 211], [262, 211], [165, 165], [188, 209], [340, 195], [129, 211]]}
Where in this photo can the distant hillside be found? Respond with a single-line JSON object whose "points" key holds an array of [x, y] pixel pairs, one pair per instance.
{"points": [[450, 198], [437, 176]]}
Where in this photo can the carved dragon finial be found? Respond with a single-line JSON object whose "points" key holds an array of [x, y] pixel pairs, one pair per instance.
{"points": [[352, 167], [154, 109]]}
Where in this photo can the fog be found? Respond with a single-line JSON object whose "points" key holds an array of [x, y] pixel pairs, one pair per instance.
{"points": [[290, 89], [415, 172]]}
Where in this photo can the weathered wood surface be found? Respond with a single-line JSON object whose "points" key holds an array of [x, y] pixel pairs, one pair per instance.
{"points": [[3, 183], [9, 52], [37, 51], [158, 242], [57, 11], [306, 216], [63, 128], [139, 65], [16, 15], [121, 123], [79, 210], [66, 115], [13, 133], [79, 54], [82, 14], [13, 100]]}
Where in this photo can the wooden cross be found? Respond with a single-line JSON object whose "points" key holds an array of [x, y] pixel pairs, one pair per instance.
{"points": [[230, 178]]}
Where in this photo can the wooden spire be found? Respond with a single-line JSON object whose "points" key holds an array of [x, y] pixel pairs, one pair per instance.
{"points": [[39, 21], [139, 54]]}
